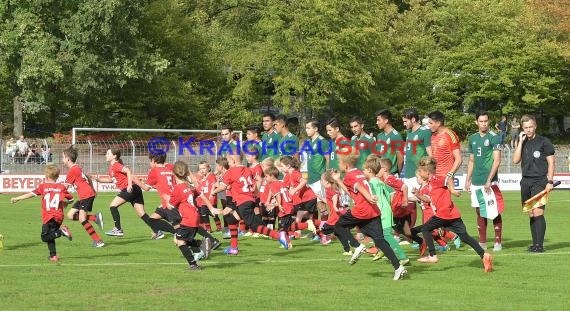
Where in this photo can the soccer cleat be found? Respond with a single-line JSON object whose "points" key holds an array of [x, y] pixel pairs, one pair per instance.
{"points": [[53, 258], [440, 248], [325, 240], [316, 238], [498, 247], [404, 262], [429, 259], [231, 251], [215, 245], [65, 231], [531, 248], [98, 244], [115, 232], [349, 253], [206, 247], [255, 235], [415, 245], [379, 255], [372, 250], [423, 248], [226, 233], [488, 262], [194, 267], [483, 245], [198, 255], [283, 239], [404, 242], [311, 226], [400, 273], [357, 253], [99, 220], [457, 242], [158, 235], [537, 249]]}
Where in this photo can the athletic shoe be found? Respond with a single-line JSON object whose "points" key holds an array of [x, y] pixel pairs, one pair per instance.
{"points": [[404, 262], [488, 262], [194, 267], [372, 250], [198, 256], [98, 244], [400, 273], [349, 253], [325, 240], [226, 233], [206, 247], [53, 258], [379, 255], [248, 234], [429, 259], [537, 249], [483, 245], [457, 242], [158, 235], [215, 245], [415, 245], [65, 231], [241, 233], [255, 235], [357, 253], [442, 248], [283, 239], [231, 251], [423, 248], [115, 232], [311, 226], [404, 242], [498, 247], [531, 248], [99, 220], [316, 238]]}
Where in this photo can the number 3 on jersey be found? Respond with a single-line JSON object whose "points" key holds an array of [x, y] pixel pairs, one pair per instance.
{"points": [[51, 201], [246, 183]]}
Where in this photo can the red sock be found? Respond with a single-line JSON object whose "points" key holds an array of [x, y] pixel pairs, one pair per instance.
{"points": [[437, 238], [299, 226], [241, 226], [91, 231], [448, 235], [91, 217], [482, 227], [266, 231], [498, 225], [233, 236]]}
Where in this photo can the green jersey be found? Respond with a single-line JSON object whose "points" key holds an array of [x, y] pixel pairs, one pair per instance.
{"points": [[391, 139], [333, 160], [225, 148], [383, 191], [421, 139], [482, 148], [316, 162], [363, 151], [288, 145], [269, 140]]}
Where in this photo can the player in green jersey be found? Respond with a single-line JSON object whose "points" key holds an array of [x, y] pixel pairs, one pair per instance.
{"points": [[484, 161], [361, 142], [393, 146], [317, 163], [288, 142], [270, 138], [340, 143]]}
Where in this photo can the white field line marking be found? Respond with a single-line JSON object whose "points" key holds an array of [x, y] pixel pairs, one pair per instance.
{"points": [[278, 261]]}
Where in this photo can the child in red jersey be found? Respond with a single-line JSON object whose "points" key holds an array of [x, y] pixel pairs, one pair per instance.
{"points": [[182, 198], [238, 179], [123, 179], [206, 182], [304, 199], [257, 176], [161, 178], [267, 216], [365, 213], [446, 214], [54, 198], [278, 199], [83, 186]]}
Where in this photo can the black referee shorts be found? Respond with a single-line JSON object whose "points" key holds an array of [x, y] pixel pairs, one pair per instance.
{"points": [[531, 186]]}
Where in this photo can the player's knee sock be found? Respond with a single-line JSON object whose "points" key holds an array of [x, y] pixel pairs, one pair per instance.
{"points": [[217, 222], [482, 227], [540, 229], [533, 230], [438, 239], [265, 231], [498, 226], [299, 226], [466, 238], [161, 224], [381, 243], [91, 231], [201, 231], [233, 235], [148, 222], [51, 248], [448, 235], [91, 217], [187, 253], [116, 216]]}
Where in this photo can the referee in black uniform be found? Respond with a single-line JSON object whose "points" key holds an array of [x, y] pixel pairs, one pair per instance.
{"points": [[536, 155]]}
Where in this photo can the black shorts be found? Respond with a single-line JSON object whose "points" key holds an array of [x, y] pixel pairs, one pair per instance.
{"points": [[370, 227], [134, 197], [186, 233], [399, 223], [170, 215], [85, 204], [267, 214], [309, 206], [231, 203], [246, 213], [50, 227], [327, 229], [531, 186], [285, 222]]}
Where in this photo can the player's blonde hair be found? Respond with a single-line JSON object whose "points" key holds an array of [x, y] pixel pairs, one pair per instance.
{"points": [[52, 172], [373, 163], [271, 171], [427, 163], [349, 159], [181, 170], [268, 162]]}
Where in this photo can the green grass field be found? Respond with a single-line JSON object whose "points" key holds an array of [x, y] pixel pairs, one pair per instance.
{"points": [[136, 273]]}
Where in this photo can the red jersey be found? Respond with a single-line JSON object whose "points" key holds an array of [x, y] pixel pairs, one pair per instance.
{"points": [[183, 197], [206, 186], [442, 146], [263, 191], [80, 182], [333, 216], [161, 178], [238, 178], [277, 187], [53, 196], [441, 198], [362, 208], [397, 184], [304, 194], [427, 209], [256, 171], [119, 178]]}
